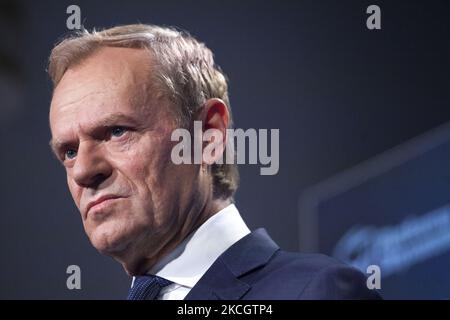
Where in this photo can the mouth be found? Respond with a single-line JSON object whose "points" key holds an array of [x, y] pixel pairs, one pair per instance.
{"points": [[100, 202]]}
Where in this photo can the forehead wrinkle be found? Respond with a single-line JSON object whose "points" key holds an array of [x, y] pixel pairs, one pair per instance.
{"points": [[106, 121], [76, 100], [75, 82], [133, 83]]}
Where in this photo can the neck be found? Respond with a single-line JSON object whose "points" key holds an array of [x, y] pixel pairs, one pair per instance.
{"points": [[194, 219]]}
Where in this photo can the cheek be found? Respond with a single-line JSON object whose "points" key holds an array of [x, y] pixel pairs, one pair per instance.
{"points": [[147, 160], [148, 167], [151, 172], [75, 191]]}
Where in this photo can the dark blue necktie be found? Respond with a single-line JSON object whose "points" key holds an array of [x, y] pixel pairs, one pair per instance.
{"points": [[147, 287]]}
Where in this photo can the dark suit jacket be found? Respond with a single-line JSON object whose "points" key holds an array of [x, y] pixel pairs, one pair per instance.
{"points": [[255, 268]]}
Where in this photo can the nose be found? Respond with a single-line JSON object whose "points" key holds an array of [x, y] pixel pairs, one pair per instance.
{"points": [[91, 167]]}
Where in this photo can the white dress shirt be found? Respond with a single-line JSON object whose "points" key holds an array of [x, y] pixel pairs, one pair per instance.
{"points": [[190, 260]]}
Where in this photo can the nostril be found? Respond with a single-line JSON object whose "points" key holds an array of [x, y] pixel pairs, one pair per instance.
{"points": [[91, 167], [97, 180], [91, 182]]}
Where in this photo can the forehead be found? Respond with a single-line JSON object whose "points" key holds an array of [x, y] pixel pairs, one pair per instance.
{"points": [[111, 80]]}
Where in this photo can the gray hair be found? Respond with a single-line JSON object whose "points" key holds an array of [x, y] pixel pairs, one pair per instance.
{"points": [[185, 73]]}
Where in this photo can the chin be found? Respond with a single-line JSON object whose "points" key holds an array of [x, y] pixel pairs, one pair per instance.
{"points": [[120, 240], [110, 240]]}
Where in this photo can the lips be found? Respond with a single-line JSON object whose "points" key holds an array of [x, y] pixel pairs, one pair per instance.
{"points": [[100, 200]]}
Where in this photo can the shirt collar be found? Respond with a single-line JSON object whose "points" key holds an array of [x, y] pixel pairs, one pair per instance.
{"points": [[190, 260]]}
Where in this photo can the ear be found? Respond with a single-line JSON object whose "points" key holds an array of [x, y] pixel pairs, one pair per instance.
{"points": [[215, 118]]}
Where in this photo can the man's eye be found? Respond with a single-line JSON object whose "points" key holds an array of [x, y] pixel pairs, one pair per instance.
{"points": [[118, 131], [70, 154]]}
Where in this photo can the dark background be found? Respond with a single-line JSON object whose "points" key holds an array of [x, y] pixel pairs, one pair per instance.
{"points": [[338, 92]]}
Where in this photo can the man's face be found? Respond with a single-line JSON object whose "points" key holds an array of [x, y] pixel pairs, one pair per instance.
{"points": [[114, 142]]}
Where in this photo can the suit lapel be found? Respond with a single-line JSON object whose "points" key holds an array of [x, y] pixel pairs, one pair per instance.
{"points": [[219, 284], [222, 280]]}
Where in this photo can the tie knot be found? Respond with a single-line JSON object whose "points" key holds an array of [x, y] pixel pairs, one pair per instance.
{"points": [[147, 287]]}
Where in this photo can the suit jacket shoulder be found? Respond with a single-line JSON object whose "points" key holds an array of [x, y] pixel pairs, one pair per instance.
{"points": [[255, 268]]}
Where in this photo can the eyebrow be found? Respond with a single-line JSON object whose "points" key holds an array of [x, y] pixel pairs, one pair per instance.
{"points": [[108, 121]]}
